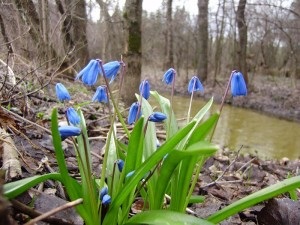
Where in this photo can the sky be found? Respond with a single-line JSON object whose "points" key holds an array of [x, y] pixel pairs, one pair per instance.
{"points": [[190, 6], [152, 5]]}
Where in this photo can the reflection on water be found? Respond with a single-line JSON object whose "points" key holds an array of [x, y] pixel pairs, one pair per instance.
{"points": [[268, 137]]}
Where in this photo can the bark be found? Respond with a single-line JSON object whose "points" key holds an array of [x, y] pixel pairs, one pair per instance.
{"points": [[5, 36], [169, 37], [133, 43], [66, 26], [79, 25], [109, 35], [203, 39], [219, 40], [29, 15], [242, 29]]}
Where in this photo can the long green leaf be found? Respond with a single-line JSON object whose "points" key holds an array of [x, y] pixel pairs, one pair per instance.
{"points": [[186, 173], [71, 187], [170, 123], [135, 147], [164, 217], [13, 189], [255, 198], [201, 132], [171, 162], [145, 167]]}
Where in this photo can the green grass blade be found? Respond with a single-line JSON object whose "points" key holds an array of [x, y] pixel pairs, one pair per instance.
{"points": [[145, 167], [257, 197], [13, 189], [135, 147], [171, 125], [201, 132], [164, 217]]}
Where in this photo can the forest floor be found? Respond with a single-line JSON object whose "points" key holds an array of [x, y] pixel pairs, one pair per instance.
{"points": [[225, 178]]}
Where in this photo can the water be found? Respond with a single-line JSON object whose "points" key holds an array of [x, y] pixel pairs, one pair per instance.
{"points": [[261, 135]]}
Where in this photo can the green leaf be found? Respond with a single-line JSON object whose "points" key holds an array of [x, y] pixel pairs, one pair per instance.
{"points": [[165, 217], [171, 122], [13, 189], [196, 199], [171, 162], [143, 169], [135, 147], [198, 118], [257, 197], [201, 132]]}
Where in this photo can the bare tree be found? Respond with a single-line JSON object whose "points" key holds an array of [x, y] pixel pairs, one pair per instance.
{"points": [[219, 38], [133, 44], [169, 37], [202, 68], [242, 28], [74, 30]]}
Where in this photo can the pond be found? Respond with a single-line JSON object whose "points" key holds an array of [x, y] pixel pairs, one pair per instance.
{"points": [[259, 134]]}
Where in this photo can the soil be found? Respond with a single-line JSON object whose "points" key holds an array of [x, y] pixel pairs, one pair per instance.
{"points": [[225, 178]]}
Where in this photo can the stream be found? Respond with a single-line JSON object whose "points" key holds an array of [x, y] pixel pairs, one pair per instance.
{"points": [[265, 136]]}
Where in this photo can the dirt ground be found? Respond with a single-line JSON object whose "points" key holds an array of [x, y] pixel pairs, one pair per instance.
{"points": [[225, 177]]}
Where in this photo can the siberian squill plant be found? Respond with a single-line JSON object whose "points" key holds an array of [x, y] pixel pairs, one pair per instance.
{"points": [[142, 167]]}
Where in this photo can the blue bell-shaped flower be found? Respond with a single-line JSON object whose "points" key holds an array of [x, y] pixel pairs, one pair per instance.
{"points": [[68, 131], [90, 73], [169, 76], [195, 85], [238, 84], [157, 117], [100, 95], [72, 116], [145, 89], [62, 92]]}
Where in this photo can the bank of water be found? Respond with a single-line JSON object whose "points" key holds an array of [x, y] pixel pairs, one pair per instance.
{"points": [[261, 135]]}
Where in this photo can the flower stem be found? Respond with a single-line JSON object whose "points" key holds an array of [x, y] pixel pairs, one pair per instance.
{"points": [[190, 106], [120, 117], [222, 104]]}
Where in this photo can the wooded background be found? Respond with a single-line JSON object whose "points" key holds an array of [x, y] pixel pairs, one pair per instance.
{"points": [[256, 37]]}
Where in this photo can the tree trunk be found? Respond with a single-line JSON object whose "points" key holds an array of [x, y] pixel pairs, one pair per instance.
{"points": [[219, 40], [29, 15], [203, 39], [242, 29], [79, 19], [133, 43], [109, 35], [169, 37]]}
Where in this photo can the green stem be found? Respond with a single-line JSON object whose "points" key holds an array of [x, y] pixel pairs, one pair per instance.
{"points": [[120, 117]]}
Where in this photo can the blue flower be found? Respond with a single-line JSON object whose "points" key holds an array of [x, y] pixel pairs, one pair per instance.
{"points": [[132, 115], [103, 191], [238, 84], [157, 117], [62, 92], [111, 69], [195, 85], [120, 164], [72, 116], [145, 89], [68, 131], [169, 76], [100, 95], [89, 74], [106, 200]]}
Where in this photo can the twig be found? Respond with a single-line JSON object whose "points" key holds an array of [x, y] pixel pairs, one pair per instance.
{"points": [[56, 210], [226, 169], [33, 213], [168, 197]]}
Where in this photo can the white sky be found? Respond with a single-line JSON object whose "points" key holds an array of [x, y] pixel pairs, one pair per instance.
{"points": [[190, 6]]}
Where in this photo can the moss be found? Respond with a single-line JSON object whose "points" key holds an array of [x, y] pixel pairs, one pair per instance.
{"points": [[134, 38]]}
